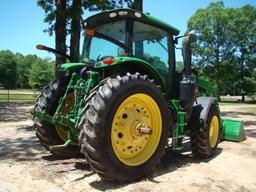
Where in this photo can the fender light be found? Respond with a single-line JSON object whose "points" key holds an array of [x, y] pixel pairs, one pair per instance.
{"points": [[109, 61], [123, 13], [137, 14], [89, 32], [112, 14]]}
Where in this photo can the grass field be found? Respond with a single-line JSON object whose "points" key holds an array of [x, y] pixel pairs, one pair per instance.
{"points": [[19, 91], [249, 109], [19, 95], [229, 103]]}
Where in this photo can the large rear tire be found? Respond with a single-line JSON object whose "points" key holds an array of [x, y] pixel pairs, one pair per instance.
{"points": [[125, 128], [47, 133], [205, 139]]}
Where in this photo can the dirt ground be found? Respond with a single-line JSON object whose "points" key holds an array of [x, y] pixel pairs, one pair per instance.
{"points": [[25, 165]]}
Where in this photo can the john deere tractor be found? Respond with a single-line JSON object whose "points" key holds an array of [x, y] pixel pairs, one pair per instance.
{"points": [[125, 103]]}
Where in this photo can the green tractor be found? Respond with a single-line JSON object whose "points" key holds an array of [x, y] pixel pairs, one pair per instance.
{"points": [[125, 103]]}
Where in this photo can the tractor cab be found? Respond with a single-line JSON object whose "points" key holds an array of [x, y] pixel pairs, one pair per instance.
{"points": [[126, 30], [123, 33]]}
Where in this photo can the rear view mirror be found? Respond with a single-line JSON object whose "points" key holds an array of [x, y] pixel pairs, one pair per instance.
{"points": [[191, 37]]}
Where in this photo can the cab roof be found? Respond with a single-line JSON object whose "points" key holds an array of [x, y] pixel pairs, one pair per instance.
{"points": [[122, 14]]}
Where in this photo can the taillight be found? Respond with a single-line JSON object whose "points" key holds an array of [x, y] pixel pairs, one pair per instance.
{"points": [[109, 61], [89, 32]]}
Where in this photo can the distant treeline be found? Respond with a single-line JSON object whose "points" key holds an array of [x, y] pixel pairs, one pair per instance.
{"points": [[24, 71]]}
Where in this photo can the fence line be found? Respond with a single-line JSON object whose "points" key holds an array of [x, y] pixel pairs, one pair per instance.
{"points": [[18, 97]]}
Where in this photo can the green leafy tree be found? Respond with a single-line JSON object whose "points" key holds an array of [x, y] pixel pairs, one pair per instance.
{"points": [[136, 4], [251, 85], [66, 16], [214, 45], [8, 69], [226, 44], [24, 64], [56, 17], [179, 66], [243, 33], [41, 73]]}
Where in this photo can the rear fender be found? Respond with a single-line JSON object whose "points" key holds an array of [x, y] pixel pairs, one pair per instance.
{"points": [[132, 65], [201, 108], [72, 66]]}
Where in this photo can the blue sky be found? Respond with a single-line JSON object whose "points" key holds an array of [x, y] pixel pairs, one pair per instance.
{"points": [[22, 23]]}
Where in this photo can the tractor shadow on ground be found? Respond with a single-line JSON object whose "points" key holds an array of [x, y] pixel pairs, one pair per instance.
{"points": [[13, 112], [235, 114], [170, 162], [26, 128], [174, 160], [63, 165], [239, 115], [20, 148], [250, 133]]}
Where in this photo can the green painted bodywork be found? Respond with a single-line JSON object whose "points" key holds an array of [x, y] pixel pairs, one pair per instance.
{"points": [[179, 130], [71, 66], [206, 88], [124, 61], [172, 29], [232, 130], [69, 122], [119, 60]]}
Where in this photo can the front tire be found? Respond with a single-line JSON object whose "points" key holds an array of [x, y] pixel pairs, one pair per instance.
{"points": [[125, 128], [205, 139], [47, 133]]}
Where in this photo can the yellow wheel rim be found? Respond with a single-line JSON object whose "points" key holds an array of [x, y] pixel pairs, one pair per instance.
{"points": [[214, 131], [136, 129], [68, 103]]}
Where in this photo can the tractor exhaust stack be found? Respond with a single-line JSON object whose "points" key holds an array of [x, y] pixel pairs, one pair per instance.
{"points": [[187, 54], [187, 85]]}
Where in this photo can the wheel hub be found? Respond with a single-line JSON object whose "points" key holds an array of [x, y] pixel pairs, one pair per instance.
{"points": [[136, 129], [214, 131], [69, 102]]}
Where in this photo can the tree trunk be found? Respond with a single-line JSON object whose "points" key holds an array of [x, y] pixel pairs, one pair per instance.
{"points": [[60, 35], [242, 74], [137, 5], [218, 89], [75, 30], [218, 73]]}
